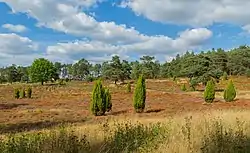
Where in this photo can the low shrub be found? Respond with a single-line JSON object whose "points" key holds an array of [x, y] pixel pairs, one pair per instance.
{"points": [[90, 78], [140, 95], [183, 87], [98, 101], [17, 93], [108, 100], [129, 87], [130, 137], [209, 94], [62, 141], [67, 80], [29, 92], [230, 92], [22, 93]]}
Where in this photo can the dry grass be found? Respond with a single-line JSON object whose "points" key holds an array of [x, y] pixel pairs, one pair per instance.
{"points": [[166, 104], [218, 131], [55, 105]]}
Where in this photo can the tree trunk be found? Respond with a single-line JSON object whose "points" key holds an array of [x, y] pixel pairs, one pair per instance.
{"points": [[42, 83]]}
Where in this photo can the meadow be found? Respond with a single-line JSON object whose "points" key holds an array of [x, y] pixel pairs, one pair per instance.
{"points": [[57, 119]]}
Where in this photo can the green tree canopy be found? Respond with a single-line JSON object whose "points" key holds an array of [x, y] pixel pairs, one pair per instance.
{"points": [[41, 70]]}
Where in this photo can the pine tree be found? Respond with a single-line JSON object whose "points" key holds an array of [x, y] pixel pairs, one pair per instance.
{"points": [[29, 92], [230, 92], [108, 102], [140, 95], [128, 87], [98, 102], [209, 94]]}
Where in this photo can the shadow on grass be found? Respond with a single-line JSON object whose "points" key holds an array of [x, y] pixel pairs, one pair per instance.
{"points": [[154, 110], [130, 137], [216, 90], [119, 112], [10, 106], [227, 144], [222, 139], [23, 127]]}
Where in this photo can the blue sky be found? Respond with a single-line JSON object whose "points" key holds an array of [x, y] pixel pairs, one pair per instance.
{"points": [[68, 30]]}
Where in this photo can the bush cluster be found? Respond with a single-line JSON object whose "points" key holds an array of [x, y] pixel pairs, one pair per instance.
{"points": [[22, 93], [229, 92]]}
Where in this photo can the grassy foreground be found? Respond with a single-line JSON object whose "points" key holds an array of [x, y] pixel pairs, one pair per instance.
{"points": [[220, 131]]}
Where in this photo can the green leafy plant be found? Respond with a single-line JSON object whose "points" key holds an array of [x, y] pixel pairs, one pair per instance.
{"points": [[42, 70], [129, 87], [140, 95], [98, 101], [230, 92], [17, 93], [209, 94]]}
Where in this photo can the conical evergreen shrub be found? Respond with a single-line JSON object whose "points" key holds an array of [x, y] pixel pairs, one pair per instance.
{"points": [[22, 93], [140, 95], [17, 93], [230, 92], [209, 94], [29, 92], [98, 101], [128, 87], [108, 102], [183, 87]]}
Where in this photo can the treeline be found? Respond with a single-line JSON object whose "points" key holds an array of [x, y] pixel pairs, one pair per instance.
{"points": [[198, 67]]}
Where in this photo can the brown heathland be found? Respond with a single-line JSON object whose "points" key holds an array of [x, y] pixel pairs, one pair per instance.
{"points": [[52, 105]]}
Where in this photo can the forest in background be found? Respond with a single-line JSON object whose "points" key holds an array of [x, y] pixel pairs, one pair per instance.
{"points": [[199, 68]]}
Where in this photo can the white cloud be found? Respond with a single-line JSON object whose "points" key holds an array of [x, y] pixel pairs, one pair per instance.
{"points": [[14, 28], [194, 13], [81, 48], [66, 16], [156, 45], [189, 39], [13, 44], [107, 38], [15, 49]]}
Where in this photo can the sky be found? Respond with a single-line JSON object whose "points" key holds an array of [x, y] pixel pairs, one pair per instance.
{"points": [[68, 30]]}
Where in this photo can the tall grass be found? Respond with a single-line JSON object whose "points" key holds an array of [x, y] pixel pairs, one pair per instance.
{"points": [[220, 132]]}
